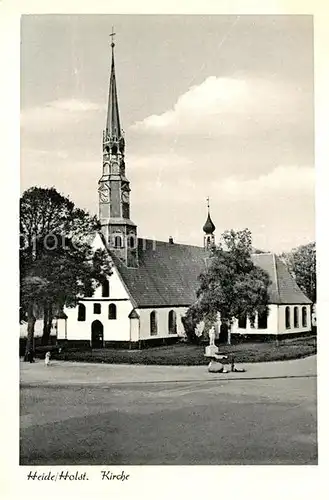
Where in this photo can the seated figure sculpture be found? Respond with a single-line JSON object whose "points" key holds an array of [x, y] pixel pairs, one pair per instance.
{"points": [[216, 367]]}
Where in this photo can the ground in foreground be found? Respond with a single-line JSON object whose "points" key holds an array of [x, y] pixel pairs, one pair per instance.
{"points": [[171, 423]]}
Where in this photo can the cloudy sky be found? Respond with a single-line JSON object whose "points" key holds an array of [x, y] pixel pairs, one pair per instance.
{"points": [[218, 106]]}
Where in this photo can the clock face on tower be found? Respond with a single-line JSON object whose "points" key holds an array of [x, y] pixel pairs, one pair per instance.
{"points": [[104, 194]]}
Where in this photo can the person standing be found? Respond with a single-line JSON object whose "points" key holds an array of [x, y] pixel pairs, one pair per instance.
{"points": [[30, 356], [47, 358]]}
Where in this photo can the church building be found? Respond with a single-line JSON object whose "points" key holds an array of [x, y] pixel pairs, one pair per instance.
{"points": [[154, 282]]}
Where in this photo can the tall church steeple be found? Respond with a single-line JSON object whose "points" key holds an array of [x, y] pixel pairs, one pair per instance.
{"points": [[113, 119], [208, 229], [114, 190]]}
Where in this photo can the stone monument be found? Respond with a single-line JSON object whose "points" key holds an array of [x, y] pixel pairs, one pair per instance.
{"points": [[211, 349]]}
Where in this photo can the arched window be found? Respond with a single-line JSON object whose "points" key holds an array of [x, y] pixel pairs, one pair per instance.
{"points": [[242, 323], [97, 308], [296, 321], [153, 323], [287, 317], [118, 241], [81, 312], [112, 311], [262, 320], [304, 316], [131, 242], [105, 288], [172, 322]]}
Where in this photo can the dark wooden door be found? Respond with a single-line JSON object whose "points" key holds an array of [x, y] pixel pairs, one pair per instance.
{"points": [[223, 333], [97, 334]]}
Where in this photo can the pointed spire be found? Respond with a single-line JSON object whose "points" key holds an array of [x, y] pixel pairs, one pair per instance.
{"points": [[113, 128], [209, 226]]}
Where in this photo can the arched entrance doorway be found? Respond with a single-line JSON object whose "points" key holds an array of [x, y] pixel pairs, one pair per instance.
{"points": [[97, 335]]}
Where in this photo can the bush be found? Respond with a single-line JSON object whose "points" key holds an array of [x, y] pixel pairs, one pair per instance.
{"points": [[193, 355]]}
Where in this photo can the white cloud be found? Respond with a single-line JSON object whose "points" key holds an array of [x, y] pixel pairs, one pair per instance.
{"points": [[73, 105], [222, 106], [157, 161], [282, 181], [152, 171], [31, 155], [277, 207], [156, 181], [56, 113]]}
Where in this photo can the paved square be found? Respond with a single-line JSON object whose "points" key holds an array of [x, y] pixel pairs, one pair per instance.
{"points": [[192, 422]]}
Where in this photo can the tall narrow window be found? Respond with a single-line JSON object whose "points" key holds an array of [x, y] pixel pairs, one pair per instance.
{"points": [[131, 242], [105, 288], [153, 323], [287, 317], [296, 321], [118, 242], [304, 316], [242, 322], [81, 312], [97, 308], [112, 311], [262, 320], [172, 322]]}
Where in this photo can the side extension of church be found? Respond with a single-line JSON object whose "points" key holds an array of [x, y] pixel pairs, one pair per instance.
{"points": [[154, 282]]}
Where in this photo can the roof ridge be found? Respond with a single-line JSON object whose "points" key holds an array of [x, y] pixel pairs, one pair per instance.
{"points": [[171, 244], [263, 253]]}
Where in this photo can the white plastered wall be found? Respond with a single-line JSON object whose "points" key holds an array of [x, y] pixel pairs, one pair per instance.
{"points": [[162, 321], [38, 329], [272, 324], [293, 329], [114, 329], [134, 329], [61, 328], [276, 322]]}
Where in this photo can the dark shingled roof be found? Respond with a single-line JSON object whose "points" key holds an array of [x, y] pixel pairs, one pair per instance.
{"points": [[168, 275], [283, 289]]}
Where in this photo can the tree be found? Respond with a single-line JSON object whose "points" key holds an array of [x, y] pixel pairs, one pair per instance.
{"points": [[231, 285], [57, 262], [44, 211], [31, 295], [301, 262]]}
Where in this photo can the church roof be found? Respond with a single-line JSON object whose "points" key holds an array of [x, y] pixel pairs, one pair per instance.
{"points": [[168, 273], [283, 288]]}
